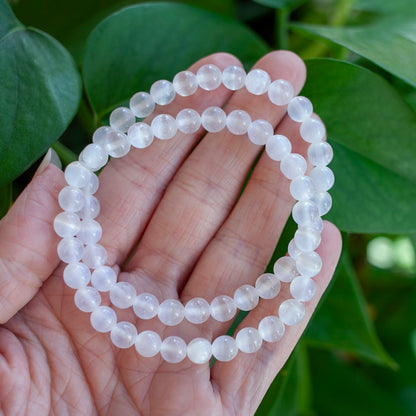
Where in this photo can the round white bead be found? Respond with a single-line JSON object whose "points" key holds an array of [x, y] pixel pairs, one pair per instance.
{"points": [[90, 232], [322, 178], [224, 348], [307, 238], [320, 154], [246, 298], [87, 299], [94, 256], [248, 340], [93, 185], [299, 109], [234, 77], [76, 174], [323, 201], [121, 119], [66, 224], [293, 165], [209, 77], [185, 83], [123, 295], [213, 119], [91, 208], [162, 92], [285, 269], [148, 343], [271, 329], [238, 122], [197, 310], [123, 334], [103, 319], [70, 250], [278, 147], [223, 308], [302, 188], [173, 349], [267, 286], [140, 135], [312, 130], [77, 275], [318, 224], [142, 104], [71, 199], [260, 131], [103, 278], [146, 306], [100, 135], [305, 213], [199, 351], [188, 121], [309, 264], [94, 157], [257, 81], [293, 250], [171, 312], [164, 126], [303, 288], [280, 92], [116, 144], [291, 312]]}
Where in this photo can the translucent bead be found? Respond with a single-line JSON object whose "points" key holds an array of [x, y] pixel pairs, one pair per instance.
{"points": [[197, 310], [173, 349], [238, 122], [267, 286], [123, 334], [94, 256], [291, 312], [171, 312], [70, 250], [76, 275], [224, 348], [322, 178], [90, 232], [199, 351], [323, 201], [318, 224], [100, 135], [71, 199], [302, 188], [87, 299], [162, 92], [278, 147], [246, 298], [260, 131], [257, 81], [305, 213], [116, 144], [123, 295], [307, 238], [66, 224], [94, 157], [188, 121], [185, 83], [140, 135], [309, 264], [142, 104], [320, 154], [234, 77], [223, 308], [299, 109], [91, 208], [271, 329], [148, 343], [103, 319], [213, 119], [303, 289], [285, 269], [146, 306], [312, 130], [164, 127], [209, 77], [248, 340], [280, 92], [293, 250], [93, 185], [121, 119], [293, 165], [76, 174], [103, 278]]}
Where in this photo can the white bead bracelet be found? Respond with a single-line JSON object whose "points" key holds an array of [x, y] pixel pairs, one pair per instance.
{"points": [[86, 270]]}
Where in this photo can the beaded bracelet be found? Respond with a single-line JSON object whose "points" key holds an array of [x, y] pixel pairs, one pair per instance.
{"points": [[86, 270]]}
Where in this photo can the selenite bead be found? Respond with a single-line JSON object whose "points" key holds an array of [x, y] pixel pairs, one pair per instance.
{"points": [[267, 286], [90, 232], [93, 185], [77, 275], [259, 131], [116, 144], [94, 157], [87, 299], [293, 165], [312, 130], [224, 348], [323, 201], [185, 83], [302, 188], [140, 135], [94, 256], [278, 147], [100, 135], [299, 109], [197, 310], [148, 343], [307, 238], [90, 209], [246, 298], [171, 312], [146, 306], [271, 329], [305, 213], [209, 77], [234, 77], [123, 334], [285, 269], [188, 121], [142, 104], [238, 122], [293, 250], [70, 250], [103, 319], [173, 349], [213, 119], [199, 350], [318, 224], [248, 340], [223, 308], [322, 178], [103, 278], [309, 263], [303, 288], [164, 127], [320, 154], [123, 295], [162, 92], [76, 174], [257, 81], [280, 92], [121, 119], [291, 312], [66, 224]]}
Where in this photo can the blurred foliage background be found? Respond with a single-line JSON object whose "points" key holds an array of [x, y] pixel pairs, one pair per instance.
{"points": [[65, 65]]}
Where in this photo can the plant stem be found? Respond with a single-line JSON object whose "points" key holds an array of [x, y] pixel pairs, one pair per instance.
{"points": [[66, 155], [282, 28]]}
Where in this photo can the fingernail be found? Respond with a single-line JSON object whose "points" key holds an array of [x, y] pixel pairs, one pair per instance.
{"points": [[51, 157]]}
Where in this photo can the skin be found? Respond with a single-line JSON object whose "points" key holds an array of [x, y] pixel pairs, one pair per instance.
{"points": [[198, 237]]}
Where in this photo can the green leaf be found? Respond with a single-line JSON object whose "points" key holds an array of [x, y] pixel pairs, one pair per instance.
{"points": [[281, 4], [6, 199], [131, 49], [40, 92]]}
